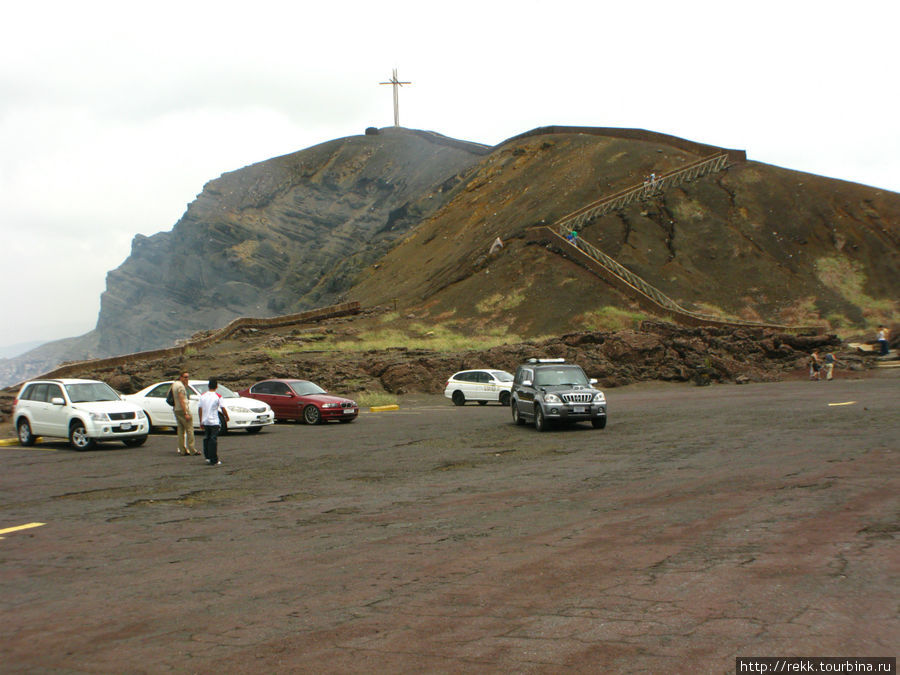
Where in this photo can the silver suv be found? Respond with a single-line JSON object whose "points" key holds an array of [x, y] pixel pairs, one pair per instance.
{"points": [[84, 411], [551, 390]]}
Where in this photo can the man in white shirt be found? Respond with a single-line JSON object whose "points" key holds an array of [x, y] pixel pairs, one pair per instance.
{"points": [[208, 408]]}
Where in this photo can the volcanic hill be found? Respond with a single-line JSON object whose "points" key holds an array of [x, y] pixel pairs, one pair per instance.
{"points": [[406, 219]]}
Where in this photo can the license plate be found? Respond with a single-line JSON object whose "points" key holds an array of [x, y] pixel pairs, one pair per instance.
{"points": [[578, 409], [262, 418], [348, 411], [125, 426]]}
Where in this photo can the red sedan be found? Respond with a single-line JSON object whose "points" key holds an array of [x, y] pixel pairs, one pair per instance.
{"points": [[302, 400]]}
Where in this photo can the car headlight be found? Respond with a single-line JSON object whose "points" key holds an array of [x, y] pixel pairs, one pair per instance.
{"points": [[99, 417], [140, 414], [331, 405], [238, 409], [599, 397], [552, 398]]}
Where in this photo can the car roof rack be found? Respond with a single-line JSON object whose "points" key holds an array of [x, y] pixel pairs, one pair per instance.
{"points": [[546, 360]]}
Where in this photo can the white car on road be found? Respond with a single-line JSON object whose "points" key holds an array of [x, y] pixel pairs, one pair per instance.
{"points": [[481, 384], [84, 411], [243, 413]]}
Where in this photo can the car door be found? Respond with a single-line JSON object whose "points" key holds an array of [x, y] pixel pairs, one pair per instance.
{"points": [[488, 387], [39, 407], [525, 392], [56, 414], [154, 404], [284, 401]]}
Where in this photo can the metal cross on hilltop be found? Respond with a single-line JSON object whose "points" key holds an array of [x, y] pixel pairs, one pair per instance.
{"points": [[397, 83]]}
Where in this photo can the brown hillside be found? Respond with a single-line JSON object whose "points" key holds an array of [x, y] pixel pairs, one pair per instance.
{"points": [[753, 241]]}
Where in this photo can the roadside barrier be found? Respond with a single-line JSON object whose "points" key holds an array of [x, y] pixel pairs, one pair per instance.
{"points": [[66, 369]]}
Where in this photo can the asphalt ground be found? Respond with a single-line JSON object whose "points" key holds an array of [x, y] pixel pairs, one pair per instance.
{"points": [[701, 525]]}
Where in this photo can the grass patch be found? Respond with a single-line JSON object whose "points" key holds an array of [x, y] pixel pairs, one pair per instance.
{"points": [[416, 336], [611, 319], [500, 302], [847, 278], [368, 399]]}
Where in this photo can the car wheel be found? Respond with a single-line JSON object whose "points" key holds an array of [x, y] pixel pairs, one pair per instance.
{"points": [[134, 442], [311, 415], [517, 418], [254, 430], [599, 422], [504, 398], [25, 436], [78, 437], [223, 425], [540, 423], [459, 398]]}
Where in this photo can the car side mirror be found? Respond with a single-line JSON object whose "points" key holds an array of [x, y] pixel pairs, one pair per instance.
{"points": [[593, 380], [58, 400], [193, 397]]}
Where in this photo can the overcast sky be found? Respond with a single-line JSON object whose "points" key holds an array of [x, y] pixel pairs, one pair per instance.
{"points": [[113, 115]]}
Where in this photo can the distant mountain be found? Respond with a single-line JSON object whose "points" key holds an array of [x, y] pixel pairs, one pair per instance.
{"points": [[9, 351], [406, 218]]}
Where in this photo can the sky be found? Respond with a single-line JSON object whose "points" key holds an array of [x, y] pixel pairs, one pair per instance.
{"points": [[113, 115]]}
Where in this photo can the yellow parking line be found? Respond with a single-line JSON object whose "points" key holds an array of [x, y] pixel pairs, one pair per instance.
{"points": [[20, 527], [845, 403]]}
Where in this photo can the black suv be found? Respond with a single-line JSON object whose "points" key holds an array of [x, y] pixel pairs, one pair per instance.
{"points": [[551, 390]]}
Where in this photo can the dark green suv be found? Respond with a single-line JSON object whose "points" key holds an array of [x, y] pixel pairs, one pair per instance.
{"points": [[551, 390]]}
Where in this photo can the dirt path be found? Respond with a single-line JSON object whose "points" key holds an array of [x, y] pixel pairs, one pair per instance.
{"points": [[701, 525]]}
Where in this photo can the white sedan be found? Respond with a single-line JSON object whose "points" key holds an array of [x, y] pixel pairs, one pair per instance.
{"points": [[243, 413]]}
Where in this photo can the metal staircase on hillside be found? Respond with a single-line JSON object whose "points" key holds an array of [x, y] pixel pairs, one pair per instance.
{"points": [[651, 293], [563, 228], [620, 200]]}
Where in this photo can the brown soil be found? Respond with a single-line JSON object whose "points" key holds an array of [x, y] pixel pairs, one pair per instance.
{"points": [[702, 524]]}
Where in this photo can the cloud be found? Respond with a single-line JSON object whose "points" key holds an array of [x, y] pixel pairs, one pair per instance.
{"points": [[114, 115]]}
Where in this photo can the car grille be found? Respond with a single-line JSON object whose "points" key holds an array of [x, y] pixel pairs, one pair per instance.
{"points": [[577, 398], [346, 404], [121, 416], [258, 410]]}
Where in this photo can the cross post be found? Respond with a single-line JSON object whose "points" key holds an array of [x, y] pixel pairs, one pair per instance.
{"points": [[396, 83]]}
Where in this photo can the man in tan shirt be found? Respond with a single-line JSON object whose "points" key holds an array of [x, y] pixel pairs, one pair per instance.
{"points": [[184, 423]]}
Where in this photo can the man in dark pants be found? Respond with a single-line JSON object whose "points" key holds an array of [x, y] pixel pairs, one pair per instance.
{"points": [[209, 408]]}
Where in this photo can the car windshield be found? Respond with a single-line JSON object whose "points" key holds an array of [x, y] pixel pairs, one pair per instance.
{"points": [[553, 377], [83, 392], [502, 375], [307, 388], [222, 390]]}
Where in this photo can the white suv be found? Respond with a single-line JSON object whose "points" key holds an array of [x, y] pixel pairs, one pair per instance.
{"points": [[482, 385], [84, 411]]}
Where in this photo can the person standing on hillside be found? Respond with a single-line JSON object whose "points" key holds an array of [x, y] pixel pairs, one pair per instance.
{"points": [[883, 341], [184, 424], [209, 408], [814, 365], [830, 361]]}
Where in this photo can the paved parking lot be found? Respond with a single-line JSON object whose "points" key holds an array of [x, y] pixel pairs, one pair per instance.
{"points": [[702, 524]]}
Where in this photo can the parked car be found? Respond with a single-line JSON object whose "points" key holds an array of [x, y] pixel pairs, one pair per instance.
{"points": [[480, 385], [302, 400], [551, 390], [243, 413], [84, 411]]}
